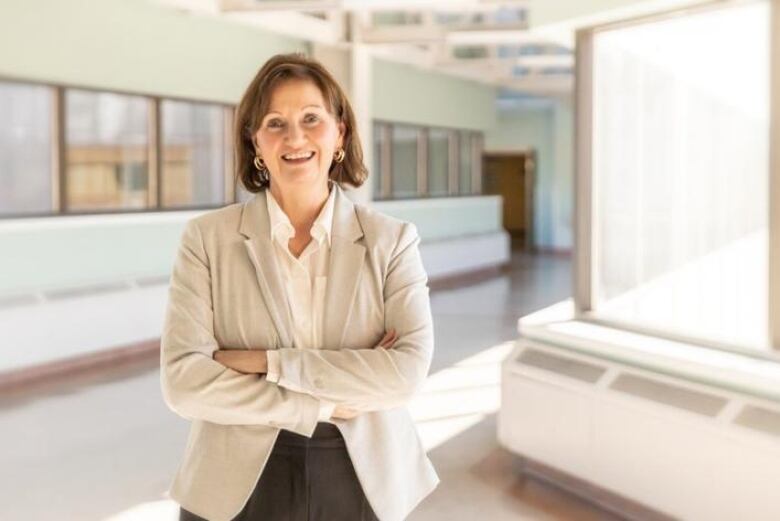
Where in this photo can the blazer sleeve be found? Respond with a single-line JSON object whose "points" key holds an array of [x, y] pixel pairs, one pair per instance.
{"points": [[194, 385], [375, 378]]}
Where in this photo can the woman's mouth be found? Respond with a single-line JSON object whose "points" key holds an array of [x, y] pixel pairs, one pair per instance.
{"points": [[297, 159]]}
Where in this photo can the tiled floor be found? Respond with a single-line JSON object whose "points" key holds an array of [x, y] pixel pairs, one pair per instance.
{"points": [[105, 446]]}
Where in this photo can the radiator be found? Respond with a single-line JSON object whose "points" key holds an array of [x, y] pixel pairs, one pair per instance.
{"points": [[684, 449]]}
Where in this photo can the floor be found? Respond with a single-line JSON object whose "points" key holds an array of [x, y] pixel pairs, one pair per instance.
{"points": [[105, 447]]}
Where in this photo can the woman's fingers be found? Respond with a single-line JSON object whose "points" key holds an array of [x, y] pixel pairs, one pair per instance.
{"points": [[344, 413], [392, 339], [389, 339]]}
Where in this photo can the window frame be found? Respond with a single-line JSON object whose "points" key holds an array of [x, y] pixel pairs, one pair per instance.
{"points": [[384, 176], [586, 236], [154, 152]]}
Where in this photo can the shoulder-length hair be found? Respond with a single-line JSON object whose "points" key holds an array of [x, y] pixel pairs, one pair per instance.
{"points": [[254, 106]]}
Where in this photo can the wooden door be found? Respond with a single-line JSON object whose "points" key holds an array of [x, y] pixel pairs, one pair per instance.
{"points": [[511, 175]]}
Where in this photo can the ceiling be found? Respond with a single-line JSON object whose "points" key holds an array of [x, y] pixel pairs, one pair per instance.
{"points": [[487, 41]]}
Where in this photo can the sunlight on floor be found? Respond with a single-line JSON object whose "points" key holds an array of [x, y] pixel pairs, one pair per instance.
{"points": [[460, 396], [163, 510], [451, 401]]}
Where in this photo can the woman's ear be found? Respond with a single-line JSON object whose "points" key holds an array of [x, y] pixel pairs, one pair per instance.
{"points": [[342, 134]]}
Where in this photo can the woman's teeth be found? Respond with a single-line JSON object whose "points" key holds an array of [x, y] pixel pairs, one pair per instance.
{"points": [[298, 158]]}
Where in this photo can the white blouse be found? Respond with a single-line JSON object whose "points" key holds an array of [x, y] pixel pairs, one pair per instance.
{"points": [[305, 280]]}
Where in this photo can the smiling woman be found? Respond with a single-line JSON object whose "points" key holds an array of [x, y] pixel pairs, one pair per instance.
{"points": [[298, 138], [311, 110], [296, 417]]}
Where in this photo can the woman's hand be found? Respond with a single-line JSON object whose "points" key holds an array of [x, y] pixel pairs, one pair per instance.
{"points": [[345, 413], [388, 340], [249, 361]]}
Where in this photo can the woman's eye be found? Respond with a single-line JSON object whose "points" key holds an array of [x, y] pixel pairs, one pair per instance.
{"points": [[276, 123]]}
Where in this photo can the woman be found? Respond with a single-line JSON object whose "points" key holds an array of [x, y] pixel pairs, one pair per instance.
{"points": [[298, 326]]}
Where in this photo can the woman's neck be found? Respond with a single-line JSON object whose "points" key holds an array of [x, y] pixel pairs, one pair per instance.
{"points": [[301, 205]]}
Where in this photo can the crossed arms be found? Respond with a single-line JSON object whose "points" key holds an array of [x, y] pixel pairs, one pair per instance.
{"points": [[196, 386]]}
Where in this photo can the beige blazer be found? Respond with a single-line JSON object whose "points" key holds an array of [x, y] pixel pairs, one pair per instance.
{"points": [[225, 291]]}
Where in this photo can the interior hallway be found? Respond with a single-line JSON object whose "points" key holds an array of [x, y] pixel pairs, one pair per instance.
{"points": [[105, 447]]}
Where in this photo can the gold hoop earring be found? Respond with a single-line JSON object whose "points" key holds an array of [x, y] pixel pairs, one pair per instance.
{"points": [[261, 168], [339, 157]]}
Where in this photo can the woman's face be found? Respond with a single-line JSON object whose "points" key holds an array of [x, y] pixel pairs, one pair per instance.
{"points": [[298, 123]]}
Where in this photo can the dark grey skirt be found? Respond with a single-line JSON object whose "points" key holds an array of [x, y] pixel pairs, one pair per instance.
{"points": [[305, 479]]}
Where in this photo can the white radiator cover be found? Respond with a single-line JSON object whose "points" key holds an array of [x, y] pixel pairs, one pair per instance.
{"points": [[690, 451]]}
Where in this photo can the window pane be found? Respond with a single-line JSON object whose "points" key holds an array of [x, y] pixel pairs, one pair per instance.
{"points": [[376, 174], [464, 174], [106, 150], [438, 161], [25, 149], [680, 162], [193, 154], [404, 161]]}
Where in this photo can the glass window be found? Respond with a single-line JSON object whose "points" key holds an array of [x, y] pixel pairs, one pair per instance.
{"points": [[465, 163], [106, 140], [438, 162], [25, 149], [193, 154], [404, 160], [376, 174], [680, 159]]}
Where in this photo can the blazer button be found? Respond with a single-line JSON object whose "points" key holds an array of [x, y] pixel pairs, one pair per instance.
{"points": [[318, 383]]}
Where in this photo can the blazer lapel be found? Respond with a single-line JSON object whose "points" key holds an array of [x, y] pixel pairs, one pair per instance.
{"points": [[344, 270], [255, 225], [345, 266]]}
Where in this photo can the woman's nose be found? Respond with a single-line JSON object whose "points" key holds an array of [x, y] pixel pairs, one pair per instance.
{"points": [[294, 133]]}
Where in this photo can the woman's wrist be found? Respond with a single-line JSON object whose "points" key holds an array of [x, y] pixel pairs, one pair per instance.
{"points": [[261, 360], [250, 361]]}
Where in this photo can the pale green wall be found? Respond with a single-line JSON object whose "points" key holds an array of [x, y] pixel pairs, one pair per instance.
{"points": [[406, 94], [562, 190], [54, 253], [140, 47], [444, 218], [547, 128], [135, 46]]}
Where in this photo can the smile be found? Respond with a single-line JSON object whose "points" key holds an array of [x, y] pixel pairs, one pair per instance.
{"points": [[297, 160]]}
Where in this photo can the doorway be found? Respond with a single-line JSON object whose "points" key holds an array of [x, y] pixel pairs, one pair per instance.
{"points": [[512, 175]]}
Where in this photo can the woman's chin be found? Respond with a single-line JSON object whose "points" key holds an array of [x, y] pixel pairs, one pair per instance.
{"points": [[301, 175]]}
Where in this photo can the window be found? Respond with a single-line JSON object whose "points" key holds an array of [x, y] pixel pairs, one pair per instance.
{"points": [[25, 149], [193, 154], [376, 173], [680, 174], [404, 161], [107, 150], [438, 162], [422, 161], [465, 163]]}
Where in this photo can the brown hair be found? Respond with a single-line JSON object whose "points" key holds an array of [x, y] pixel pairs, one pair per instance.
{"points": [[255, 103]]}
